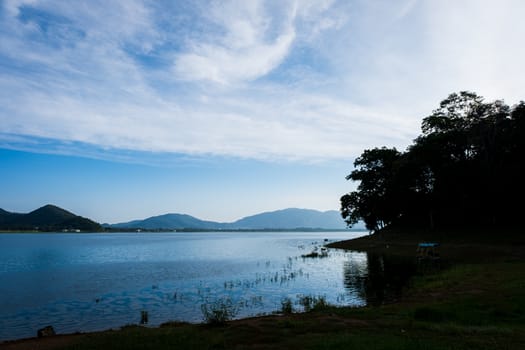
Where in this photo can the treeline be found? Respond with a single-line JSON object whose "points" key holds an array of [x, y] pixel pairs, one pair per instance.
{"points": [[68, 226], [465, 169], [48, 218]]}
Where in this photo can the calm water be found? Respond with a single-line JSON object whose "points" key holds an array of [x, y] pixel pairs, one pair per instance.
{"points": [[87, 282]]}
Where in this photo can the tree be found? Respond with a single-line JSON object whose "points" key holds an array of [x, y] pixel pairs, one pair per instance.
{"points": [[466, 168], [375, 170], [454, 113]]}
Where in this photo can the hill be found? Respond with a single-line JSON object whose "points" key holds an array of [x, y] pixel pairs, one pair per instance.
{"points": [[47, 218], [292, 218], [170, 222], [286, 219], [6, 216]]}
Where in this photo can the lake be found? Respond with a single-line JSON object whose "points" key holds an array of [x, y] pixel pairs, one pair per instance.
{"points": [[89, 282]]}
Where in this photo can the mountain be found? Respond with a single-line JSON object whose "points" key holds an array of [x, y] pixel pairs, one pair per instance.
{"points": [[286, 219], [46, 218], [292, 218], [6, 216], [169, 221]]}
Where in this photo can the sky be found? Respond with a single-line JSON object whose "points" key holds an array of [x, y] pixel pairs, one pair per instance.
{"points": [[123, 109]]}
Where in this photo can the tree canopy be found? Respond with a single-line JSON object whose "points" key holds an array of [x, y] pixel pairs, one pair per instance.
{"points": [[466, 168]]}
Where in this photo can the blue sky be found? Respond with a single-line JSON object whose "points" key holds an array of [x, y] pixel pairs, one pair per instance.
{"points": [[119, 110]]}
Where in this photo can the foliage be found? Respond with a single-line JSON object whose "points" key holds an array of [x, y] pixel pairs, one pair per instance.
{"points": [[375, 170], [466, 167], [312, 303], [48, 218], [218, 312], [286, 306]]}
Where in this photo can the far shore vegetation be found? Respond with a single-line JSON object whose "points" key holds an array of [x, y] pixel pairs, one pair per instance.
{"points": [[48, 218]]}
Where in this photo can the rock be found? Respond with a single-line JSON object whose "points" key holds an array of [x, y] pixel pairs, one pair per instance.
{"points": [[46, 332]]}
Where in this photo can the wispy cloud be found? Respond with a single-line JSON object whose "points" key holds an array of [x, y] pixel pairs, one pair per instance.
{"points": [[248, 45], [303, 80]]}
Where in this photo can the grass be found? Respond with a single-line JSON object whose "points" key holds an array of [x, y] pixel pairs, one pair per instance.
{"points": [[219, 312], [475, 303]]}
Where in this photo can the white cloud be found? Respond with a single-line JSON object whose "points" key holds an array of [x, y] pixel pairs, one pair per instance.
{"points": [[382, 68], [244, 49], [13, 6], [318, 16], [476, 45], [406, 7], [227, 66]]}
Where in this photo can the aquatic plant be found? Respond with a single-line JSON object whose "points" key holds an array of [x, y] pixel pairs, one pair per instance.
{"points": [[218, 312], [316, 254], [310, 303], [286, 306]]}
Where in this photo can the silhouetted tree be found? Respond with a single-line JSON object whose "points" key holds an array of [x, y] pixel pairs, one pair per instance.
{"points": [[466, 168], [372, 201]]}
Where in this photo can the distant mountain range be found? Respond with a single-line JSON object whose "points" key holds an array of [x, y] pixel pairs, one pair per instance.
{"points": [[51, 218], [48, 218], [286, 219]]}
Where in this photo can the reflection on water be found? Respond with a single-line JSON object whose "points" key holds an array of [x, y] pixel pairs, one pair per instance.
{"points": [[99, 281], [380, 278]]}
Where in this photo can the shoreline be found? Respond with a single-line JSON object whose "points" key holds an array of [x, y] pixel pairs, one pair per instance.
{"points": [[188, 230], [470, 245], [429, 303]]}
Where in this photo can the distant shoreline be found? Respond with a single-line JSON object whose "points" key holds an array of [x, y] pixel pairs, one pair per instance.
{"points": [[186, 231]]}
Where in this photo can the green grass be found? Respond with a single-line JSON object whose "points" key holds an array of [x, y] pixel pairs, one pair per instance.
{"points": [[477, 295]]}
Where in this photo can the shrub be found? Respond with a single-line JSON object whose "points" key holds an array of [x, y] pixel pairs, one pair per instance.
{"points": [[320, 303], [218, 312], [286, 306], [310, 303]]}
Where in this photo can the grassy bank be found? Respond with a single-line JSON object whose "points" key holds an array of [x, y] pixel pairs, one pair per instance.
{"points": [[478, 302], [456, 246]]}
